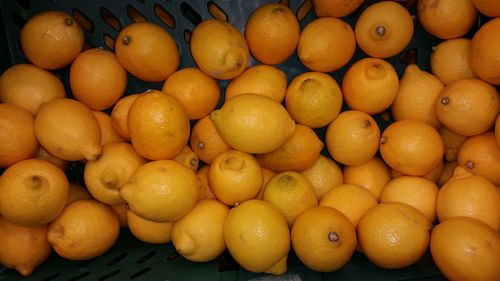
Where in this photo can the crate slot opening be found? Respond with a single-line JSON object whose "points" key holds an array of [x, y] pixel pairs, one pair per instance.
{"points": [[25, 4], [216, 11], [135, 15], [51, 277], [146, 257], [110, 19], [140, 273], [117, 259], [80, 276], [109, 41], [109, 275], [190, 14], [164, 16], [304, 10]]}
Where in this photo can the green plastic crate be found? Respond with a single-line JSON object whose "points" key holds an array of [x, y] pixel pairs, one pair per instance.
{"points": [[129, 258]]}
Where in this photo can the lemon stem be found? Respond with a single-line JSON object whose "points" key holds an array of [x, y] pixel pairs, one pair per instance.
{"points": [[333, 236]]}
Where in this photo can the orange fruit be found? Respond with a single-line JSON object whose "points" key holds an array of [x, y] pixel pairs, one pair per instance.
{"points": [[272, 32], [488, 8], [433, 175], [119, 115], [158, 125], [266, 177], [323, 239], [451, 142], [446, 19], [147, 51], [85, 229], [205, 141], [468, 106], [48, 31], [205, 189], [335, 8], [447, 172], [297, 154], [291, 193], [108, 134], [372, 175], [326, 44], [416, 99], [417, 192], [77, 192], [196, 91], [17, 136], [450, 60], [149, 231], [188, 158], [411, 147], [497, 130], [323, 175], [350, 199], [97, 78], [32, 192], [480, 155], [352, 138], [384, 29], [313, 99], [471, 196], [234, 177], [23, 248], [370, 85], [29, 86], [393, 235], [466, 249], [120, 211], [219, 49], [43, 154], [260, 79], [484, 52], [67, 129]]}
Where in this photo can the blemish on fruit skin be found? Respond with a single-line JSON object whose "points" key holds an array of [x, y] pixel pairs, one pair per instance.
{"points": [[469, 165], [445, 100], [333, 236], [380, 31], [383, 140]]}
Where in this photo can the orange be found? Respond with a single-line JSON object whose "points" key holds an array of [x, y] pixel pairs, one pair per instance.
{"points": [[29, 86], [23, 248], [372, 175], [188, 158], [446, 19], [85, 230], [272, 32], [266, 177], [497, 130], [32, 192], [450, 60], [466, 249], [234, 177], [326, 44], [291, 193], [393, 235], [433, 175], [104, 177], [97, 78], [196, 91], [352, 138], [418, 91], [447, 172], [417, 192], [260, 79], [149, 231], [147, 51], [17, 136], [51, 39], [43, 154], [335, 8], [158, 125], [468, 106], [313, 99], [119, 115], [488, 8], [411, 147], [67, 129], [350, 199], [219, 49], [480, 155], [484, 52], [297, 154], [370, 85], [77, 192], [205, 190], [120, 211], [108, 134], [323, 239], [323, 175], [471, 196], [205, 141], [384, 29], [451, 142]]}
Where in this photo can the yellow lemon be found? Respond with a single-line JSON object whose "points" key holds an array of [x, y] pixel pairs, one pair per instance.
{"points": [[149, 231]]}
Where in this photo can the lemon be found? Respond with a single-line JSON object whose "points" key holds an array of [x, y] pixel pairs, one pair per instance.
{"points": [[149, 231], [199, 236], [253, 123], [257, 236]]}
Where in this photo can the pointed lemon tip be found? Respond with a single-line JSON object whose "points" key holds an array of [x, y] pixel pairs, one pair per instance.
{"points": [[279, 268]]}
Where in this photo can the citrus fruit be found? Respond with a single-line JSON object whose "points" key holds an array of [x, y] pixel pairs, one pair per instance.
{"points": [[77, 192], [451, 142], [188, 158], [450, 60], [205, 141], [108, 134], [447, 172], [43, 154], [335, 8], [487, 7], [323, 175], [149, 231], [119, 115], [205, 189], [484, 52], [372, 175]]}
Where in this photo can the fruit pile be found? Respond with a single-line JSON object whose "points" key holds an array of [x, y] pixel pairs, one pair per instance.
{"points": [[250, 174]]}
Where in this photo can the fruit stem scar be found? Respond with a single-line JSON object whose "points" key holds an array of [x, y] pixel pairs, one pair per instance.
{"points": [[380, 30], [469, 165], [194, 162], [333, 236], [201, 145], [367, 123], [68, 21], [445, 100], [383, 140], [126, 40]]}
